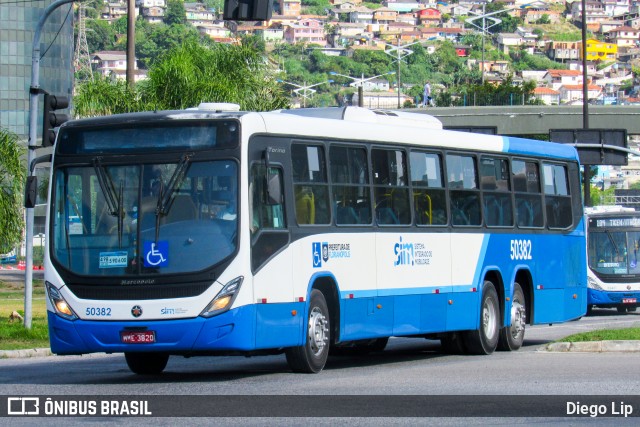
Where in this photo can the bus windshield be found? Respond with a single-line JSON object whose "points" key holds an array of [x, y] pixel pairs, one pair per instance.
{"points": [[614, 252], [144, 219]]}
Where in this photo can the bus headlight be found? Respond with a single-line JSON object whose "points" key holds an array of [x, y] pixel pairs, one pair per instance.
{"points": [[59, 304], [592, 284], [223, 301]]}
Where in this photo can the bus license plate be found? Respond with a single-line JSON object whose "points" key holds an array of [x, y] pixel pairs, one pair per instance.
{"points": [[628, 300], [138, 337]]}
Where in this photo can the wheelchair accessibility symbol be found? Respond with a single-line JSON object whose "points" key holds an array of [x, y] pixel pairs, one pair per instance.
{"points": [[156, 254]]}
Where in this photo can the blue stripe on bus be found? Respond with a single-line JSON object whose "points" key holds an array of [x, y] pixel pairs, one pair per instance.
{"points": [[515, 145], [482, 256]]}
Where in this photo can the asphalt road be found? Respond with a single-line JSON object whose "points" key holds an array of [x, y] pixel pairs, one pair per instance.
{"points": [[413, 367]]}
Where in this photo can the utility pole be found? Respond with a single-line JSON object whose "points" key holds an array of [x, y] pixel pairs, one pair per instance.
{"points": [[585, 101], [131, 42]]}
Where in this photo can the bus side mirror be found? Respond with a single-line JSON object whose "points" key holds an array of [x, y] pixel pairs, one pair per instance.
{"points": [[274, 188], [31, 192]]}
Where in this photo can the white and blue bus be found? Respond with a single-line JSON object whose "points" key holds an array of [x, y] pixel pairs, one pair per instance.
{"points": [[211, 232], [613, 252]]}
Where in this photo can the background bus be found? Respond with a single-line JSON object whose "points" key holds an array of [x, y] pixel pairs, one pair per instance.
{"points": [[613, 242], [206, 232]]}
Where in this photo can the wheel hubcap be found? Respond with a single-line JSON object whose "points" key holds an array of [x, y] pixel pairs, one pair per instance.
{"points": [[518, 318], [318, 331], [489, 318]]}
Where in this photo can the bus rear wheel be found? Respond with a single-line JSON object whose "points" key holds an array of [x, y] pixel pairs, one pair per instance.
{"points": [[312, 355], [484, 340], [511, 337], [146, 363]]}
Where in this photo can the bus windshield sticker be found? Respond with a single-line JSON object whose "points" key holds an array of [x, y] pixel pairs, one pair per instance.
{"points": [[156, 254], [113, 259]]}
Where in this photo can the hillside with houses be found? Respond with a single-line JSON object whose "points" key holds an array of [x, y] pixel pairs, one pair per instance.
{"points": [[547, 32]]}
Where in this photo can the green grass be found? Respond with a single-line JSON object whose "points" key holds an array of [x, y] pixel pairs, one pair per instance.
{"points": [[13, 334], [605, 335]]}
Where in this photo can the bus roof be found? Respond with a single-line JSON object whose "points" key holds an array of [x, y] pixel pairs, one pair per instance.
{"points": [[338, 123]]}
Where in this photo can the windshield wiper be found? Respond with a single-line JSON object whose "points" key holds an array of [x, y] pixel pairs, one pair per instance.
{"points": [[113, 199], [613, 242], [165, 197]]}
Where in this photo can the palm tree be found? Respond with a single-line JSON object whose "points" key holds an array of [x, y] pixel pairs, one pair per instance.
{"points": [[12, 178], [193, 73], [103, 96]]}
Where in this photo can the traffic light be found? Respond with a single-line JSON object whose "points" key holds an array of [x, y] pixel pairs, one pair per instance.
{"points": [[247, 10], [52, 119]]}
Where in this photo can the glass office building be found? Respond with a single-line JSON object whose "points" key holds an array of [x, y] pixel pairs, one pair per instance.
{"points": [[18, 21]]}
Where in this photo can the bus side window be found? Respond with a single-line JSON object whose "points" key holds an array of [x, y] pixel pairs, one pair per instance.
{"points": [[528, 198], [350, 176], [463, 190], [390, 187], [496, 197], [557, 199], [429, 199], [310, 184]]}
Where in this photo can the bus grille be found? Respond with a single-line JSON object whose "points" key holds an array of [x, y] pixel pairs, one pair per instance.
{"points": [[144, 292]]}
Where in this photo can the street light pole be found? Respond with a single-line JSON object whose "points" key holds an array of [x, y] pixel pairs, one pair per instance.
{"points": [[305, 90], [34, 91], [359, 83], [400, 53]]}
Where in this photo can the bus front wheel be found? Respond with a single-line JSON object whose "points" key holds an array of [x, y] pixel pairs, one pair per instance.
{"points": [[484, 340], [312, 355], [146, 363], [511, 337]]}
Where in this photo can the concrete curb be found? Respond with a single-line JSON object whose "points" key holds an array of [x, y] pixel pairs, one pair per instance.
{"points": [[30, 352], [592, 346]]}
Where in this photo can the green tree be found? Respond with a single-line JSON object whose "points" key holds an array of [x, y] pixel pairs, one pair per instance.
{"points": [[193, 73], [100, 35], [544, 19], [103, 96], [12, 176], [175, 13]]}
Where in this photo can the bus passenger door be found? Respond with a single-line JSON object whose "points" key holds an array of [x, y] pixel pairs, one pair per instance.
{"points": [[270, 258]]}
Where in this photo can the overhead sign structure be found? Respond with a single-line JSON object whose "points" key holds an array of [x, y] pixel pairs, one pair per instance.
{"points": [[487, 130], [247, 10], [595, 146]]}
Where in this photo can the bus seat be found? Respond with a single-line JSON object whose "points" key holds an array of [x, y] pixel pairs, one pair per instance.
{"points": [[488, 183], [182, 209], [492, 211], [525, 213], [520, 182], [346, 215], [386, 216], [305, 206]]}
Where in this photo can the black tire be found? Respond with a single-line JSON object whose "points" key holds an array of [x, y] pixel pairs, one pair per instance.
{"points": [[511, 337], [452, 343], [146, 363], [312, 355], [621, 310], [589, 310], [484, 340]]}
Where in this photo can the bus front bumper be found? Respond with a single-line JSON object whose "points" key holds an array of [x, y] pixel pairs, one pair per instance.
{"points": [[613, 298], [230, 331]]}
